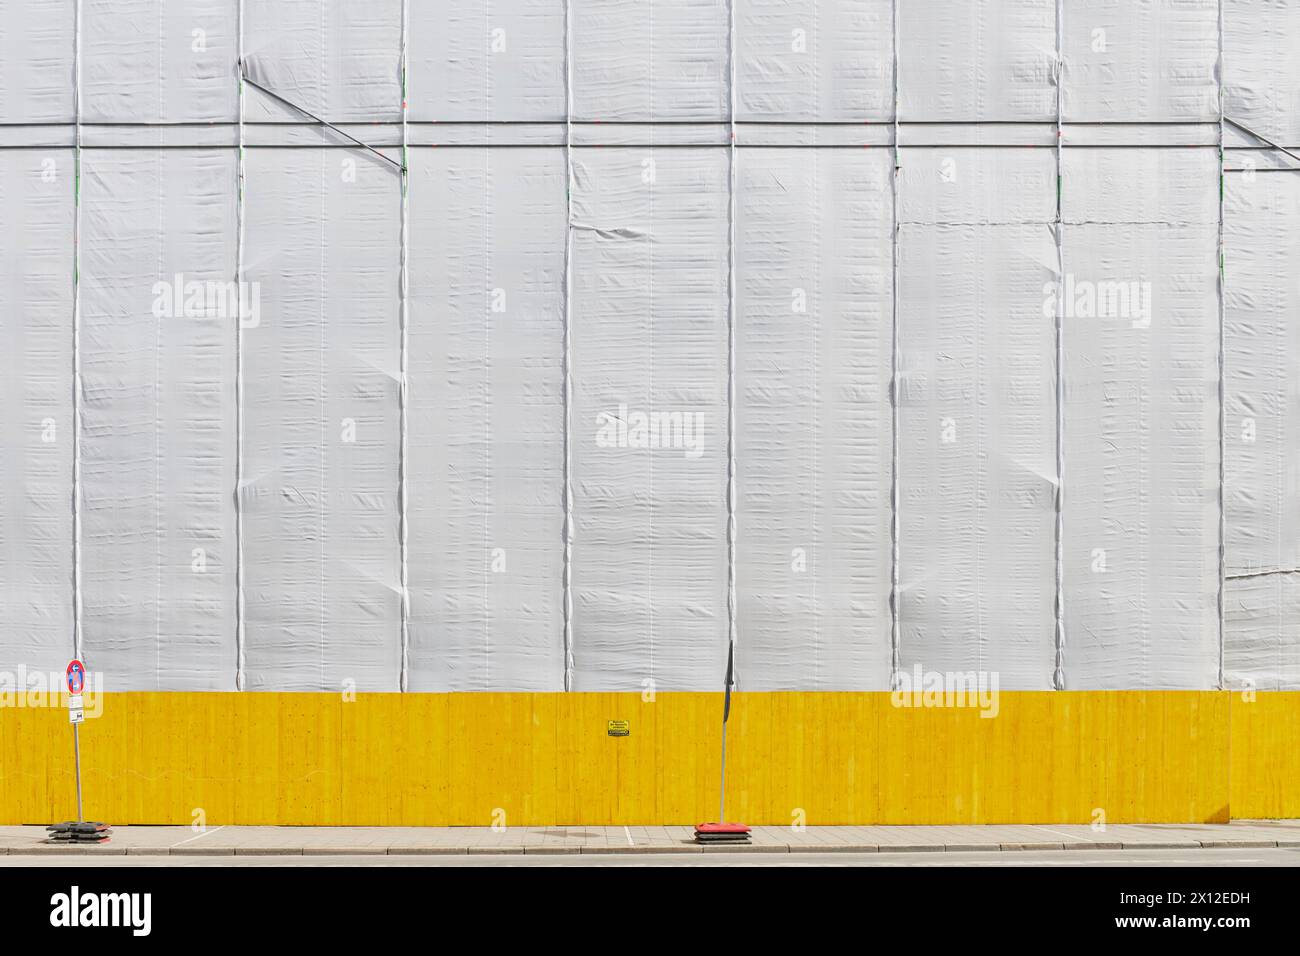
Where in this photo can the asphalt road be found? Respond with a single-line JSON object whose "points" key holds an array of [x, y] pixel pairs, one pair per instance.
{"points": [[1049, 858]]}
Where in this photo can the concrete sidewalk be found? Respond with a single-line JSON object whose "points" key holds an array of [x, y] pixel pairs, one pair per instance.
{"points": [[376, 841]]}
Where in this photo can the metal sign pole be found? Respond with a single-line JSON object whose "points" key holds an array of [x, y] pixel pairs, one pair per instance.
{"points": [[722, 786], [79, 830], [720, 831], [726, 712], [76, 749], [75, 677]]}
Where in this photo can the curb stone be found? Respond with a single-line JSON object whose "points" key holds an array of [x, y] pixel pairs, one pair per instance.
{"points": [[551, 850], [834, 848], [1015, 847], [45, 849], [606, 850], [914, 848], [202, 851], [1099, 845], [427, 851], [744, 848], [680, 848], [268, 851], [344, 850]]}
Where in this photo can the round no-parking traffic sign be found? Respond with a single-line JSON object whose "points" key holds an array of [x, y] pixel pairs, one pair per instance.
{"points": [[76, 676]]}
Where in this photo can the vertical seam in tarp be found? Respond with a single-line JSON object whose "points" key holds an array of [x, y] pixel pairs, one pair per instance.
{"points": [[161, 195], [567, 359], [76, 336], [322, 354], [239, 361], [1058, 671], [895, 662], [731, 328], [403, 320], [488, 266], [815, 424], [650, 355], [1222, 369]]}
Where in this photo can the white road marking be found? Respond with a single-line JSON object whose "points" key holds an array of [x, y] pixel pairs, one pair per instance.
{"points": [[1076, 839], [200, 836]]}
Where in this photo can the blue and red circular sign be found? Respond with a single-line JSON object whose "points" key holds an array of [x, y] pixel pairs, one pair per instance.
{"points": [[76, 676]]}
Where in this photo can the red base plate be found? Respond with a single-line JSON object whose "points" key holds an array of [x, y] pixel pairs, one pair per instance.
{"points": [[721, 828]]}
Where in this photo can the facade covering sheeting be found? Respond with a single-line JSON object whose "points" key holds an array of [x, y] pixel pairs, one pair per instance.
{"points": [[649, 418], [1141, 418], [485, 471], [157, 421], [813, 426], [977, 432], [321, 431], [36, 206], [869, 318], [1261, 441]]}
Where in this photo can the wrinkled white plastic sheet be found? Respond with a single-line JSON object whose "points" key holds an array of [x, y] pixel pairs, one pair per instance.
{"points": [[36, 430], [157, 436], [648, 328], [485, 463], [814, 433], [1261, 614], [770, 312], [1141, 418], [977, 422]]}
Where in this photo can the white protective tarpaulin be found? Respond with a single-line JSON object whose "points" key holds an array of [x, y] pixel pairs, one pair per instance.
{"points": [[877, 335], [1140, 339], [813, 426], [1261, 614], [157, 423], [36, 434], [977, 424], [485, 464], [649, 418]]}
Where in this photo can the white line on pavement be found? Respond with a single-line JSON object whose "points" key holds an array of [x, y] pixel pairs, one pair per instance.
{"points": [[200, 836]]}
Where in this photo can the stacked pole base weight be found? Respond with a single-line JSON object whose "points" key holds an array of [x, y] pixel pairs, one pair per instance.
{"points": [[721, 833], [78, 832]]}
